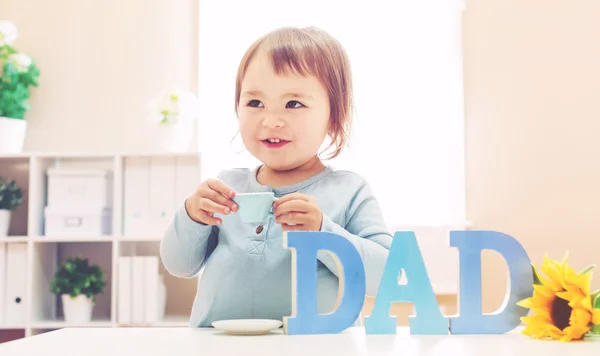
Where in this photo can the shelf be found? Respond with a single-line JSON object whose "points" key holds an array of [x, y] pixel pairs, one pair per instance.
{"points": [[14, 239], [14, 155], [57, 324], [141, 210], [12, 327], [50, 239]]}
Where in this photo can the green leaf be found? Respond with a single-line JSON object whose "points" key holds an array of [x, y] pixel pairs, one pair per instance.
{"points": [[587, 269], [536, 279], [75, 276], [595, 329], [596, 300], [15, 86], [11, 195]]}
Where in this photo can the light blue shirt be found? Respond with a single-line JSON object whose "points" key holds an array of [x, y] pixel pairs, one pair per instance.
{"points": [[247, 272]]}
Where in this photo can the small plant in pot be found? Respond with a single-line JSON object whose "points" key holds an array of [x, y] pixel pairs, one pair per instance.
{"points": [[11, 196], [78, 283], [18, 74]]}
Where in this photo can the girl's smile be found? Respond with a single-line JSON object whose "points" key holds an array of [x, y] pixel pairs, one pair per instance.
{"points": [[275, 142]]}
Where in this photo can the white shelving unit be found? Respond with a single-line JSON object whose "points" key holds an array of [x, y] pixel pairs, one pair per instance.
{"points": [[169, 179]]}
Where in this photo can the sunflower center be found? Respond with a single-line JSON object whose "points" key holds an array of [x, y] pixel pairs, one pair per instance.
{"points": [[561, 312]]}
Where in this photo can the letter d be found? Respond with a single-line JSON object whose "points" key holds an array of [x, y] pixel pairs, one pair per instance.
{"points": [[471, 320], [305, 318]]}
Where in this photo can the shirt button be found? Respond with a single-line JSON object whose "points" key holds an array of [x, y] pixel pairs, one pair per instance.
{"points": [[259, 229]]}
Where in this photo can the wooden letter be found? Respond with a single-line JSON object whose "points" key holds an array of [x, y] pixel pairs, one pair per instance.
{"points": [[305, 318], [471, 319], [405, 254]]}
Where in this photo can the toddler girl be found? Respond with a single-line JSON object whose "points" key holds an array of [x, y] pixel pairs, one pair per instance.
{"points": [[293, 90]]}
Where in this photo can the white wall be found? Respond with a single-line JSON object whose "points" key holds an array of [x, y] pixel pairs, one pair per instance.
{"points": [[101, 62]]}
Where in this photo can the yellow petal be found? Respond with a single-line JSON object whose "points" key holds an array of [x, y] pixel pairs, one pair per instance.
{"points": [[575, 302], [596, 317], [580, 317], [545, 281], [554, 276], [543, 291], [566, 338], [556, 335], [553, 286], [568, 295], [586, 303], [576, 332], [536, 319], [530, 330], [552, 272], [540, 331], [565, 258], [578, 283], [526, 303], [545, 312]]}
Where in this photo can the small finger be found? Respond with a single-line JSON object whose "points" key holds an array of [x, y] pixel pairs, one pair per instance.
{"points": [[292, 196], [219, 198], [293, 217], [210, 206], [209, 219], [287, 227], [221, 187], [293, 205]]}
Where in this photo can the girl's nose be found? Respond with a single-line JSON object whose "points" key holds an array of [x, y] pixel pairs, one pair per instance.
{"points": [[273, 121]]}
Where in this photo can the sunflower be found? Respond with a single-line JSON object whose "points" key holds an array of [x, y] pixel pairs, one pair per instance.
{"points": [[562, 303]]}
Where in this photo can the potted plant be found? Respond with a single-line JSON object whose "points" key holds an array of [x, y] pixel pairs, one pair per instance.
{"points": [[173, 115], [11, 197], [78, 283], [18, 73]]}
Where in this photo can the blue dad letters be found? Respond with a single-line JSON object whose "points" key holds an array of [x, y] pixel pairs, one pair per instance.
{"points": [[404, 257]]}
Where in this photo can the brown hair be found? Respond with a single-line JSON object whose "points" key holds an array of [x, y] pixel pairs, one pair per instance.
{"points": [[311, 51]]}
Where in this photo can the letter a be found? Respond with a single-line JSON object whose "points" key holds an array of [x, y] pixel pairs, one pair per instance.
{"points": [[405, 254]]}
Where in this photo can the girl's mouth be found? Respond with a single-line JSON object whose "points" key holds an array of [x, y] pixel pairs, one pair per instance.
{"points": [[275, 142]]}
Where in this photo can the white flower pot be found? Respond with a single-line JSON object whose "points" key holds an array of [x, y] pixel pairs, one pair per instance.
{"points": [[4, 222], [12, 135], [77, 310]]}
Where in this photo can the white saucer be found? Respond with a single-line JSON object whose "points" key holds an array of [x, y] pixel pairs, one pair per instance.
{"points": [[247, 326]]}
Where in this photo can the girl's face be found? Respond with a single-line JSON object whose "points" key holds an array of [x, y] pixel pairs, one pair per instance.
{"points": [[283, 118]]}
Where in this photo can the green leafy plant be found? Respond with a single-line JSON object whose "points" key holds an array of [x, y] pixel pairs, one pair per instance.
{"points": [[76, 276], [11, 195], [18, 73]]}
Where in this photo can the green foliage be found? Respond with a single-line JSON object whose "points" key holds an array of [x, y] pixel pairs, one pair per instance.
{"points": [[76, 276], [15, 85], [11, 195], [536, 278]]}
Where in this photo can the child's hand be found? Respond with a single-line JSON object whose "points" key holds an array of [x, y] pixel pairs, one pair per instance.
{"points": [[300, 210], [212, 196]]}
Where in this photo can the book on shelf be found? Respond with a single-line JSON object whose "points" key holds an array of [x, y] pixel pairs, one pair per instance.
{"points": [[13, 283], [141, 291]]}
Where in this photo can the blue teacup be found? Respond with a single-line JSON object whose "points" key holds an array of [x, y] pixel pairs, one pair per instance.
{"points": [[255, 207]]}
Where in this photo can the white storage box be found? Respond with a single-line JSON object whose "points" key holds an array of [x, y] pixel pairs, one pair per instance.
{"points": [[79, 188], [77, 222]]}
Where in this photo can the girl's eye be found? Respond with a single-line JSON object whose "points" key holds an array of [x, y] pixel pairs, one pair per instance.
{"points": [[255, 103], [293, 105]]}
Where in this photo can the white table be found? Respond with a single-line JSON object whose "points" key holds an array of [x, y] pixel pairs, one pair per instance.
{"points": [[187, 341]]}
